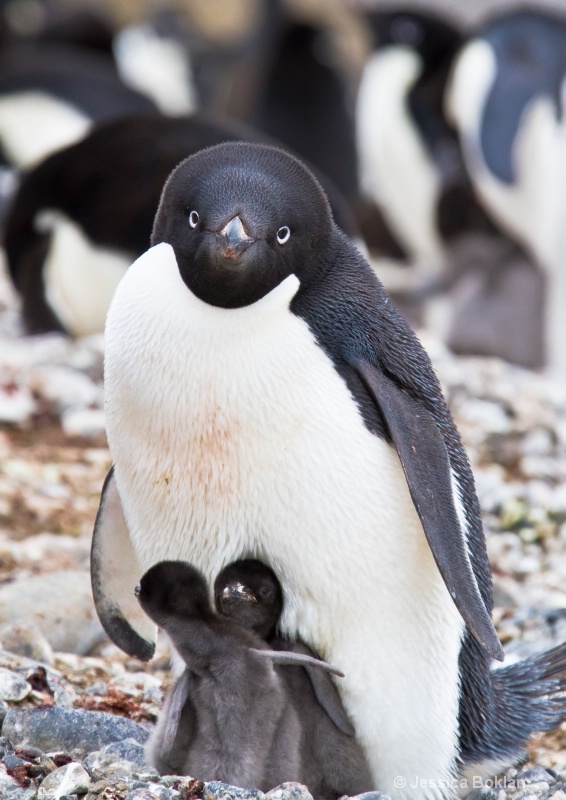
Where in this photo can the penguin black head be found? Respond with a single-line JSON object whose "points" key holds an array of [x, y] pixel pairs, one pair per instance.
{"points": [[241, 218], [433, 36], [248, 592], [173, 590]]}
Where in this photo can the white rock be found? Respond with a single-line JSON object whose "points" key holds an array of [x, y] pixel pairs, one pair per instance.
{"points": [[24, 638], [16, 405], [12, 686], [60, 604], [67, 780], [66, 388], [87, 422], [135, 683]]}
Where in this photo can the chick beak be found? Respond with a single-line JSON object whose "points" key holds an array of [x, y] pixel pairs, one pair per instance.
{"points": [[233, 238], [137, 590]]}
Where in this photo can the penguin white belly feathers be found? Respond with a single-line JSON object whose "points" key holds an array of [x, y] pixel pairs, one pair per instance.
{"points": [[249, 444]]}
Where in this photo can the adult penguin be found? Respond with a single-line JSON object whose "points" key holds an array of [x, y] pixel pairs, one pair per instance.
{"points": [[265, 400], [506, 100]]}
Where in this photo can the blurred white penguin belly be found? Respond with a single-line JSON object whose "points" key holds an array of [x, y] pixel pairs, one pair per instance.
{"points": [[233, 436]]}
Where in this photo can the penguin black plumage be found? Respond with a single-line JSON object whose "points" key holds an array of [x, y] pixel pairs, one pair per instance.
{"points": [[50, 96], [265, 400], [81, 217], [332, 763], [229, 716]]}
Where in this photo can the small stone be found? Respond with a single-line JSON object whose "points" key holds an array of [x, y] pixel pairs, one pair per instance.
{"points": [[13, 687], [25, 639], [53, 729], [289, 791], [60, 604], [109, 768], [371, 796], [215, 790], [136, 684], [88, 423], [66, 780], [127, 750], [12, 762], [536, 775]]}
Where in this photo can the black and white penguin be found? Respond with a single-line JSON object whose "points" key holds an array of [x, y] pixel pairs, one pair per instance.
{"points": [[506, 100], [470, 276], [229, 716], [51, 95], [305, 102], [332, 763], [265, 400], [408, 153], [81, 217]]}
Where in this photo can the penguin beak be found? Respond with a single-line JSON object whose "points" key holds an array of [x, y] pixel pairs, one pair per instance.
{"points": [[237, 591], [137, 590], [234, 239]]}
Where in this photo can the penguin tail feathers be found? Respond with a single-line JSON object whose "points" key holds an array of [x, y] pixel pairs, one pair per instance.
{"points": [[531, 695]]}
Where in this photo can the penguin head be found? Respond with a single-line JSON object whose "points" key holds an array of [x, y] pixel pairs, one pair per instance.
{"points": [[173, 590], [241, 218], [249, 593], [433, 36]]}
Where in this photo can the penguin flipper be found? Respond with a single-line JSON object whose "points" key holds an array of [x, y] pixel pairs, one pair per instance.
{"points": [[298, 660], [326, 693], [426, 464], [114, 572]]}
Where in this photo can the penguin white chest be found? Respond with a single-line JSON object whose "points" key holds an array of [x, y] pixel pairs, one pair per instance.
{"points": [[233, 436]]}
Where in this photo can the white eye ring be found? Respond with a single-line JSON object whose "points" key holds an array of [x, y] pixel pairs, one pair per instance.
{"points": [[193, 219], [283, 234]]}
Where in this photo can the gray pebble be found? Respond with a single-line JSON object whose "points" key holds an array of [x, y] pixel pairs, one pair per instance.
{"points": [[127, 750], [215, 790], [60, 604], [53, 729], [536, 775], [70, 779], [112, 769], [24, 638], [12, 762], [370, 796], [12, 686]]}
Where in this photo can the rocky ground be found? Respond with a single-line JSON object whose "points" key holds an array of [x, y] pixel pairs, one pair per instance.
{"points": [[53, 459]]}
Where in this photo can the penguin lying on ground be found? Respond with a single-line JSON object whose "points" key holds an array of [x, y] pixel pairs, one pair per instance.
{"points": [[84, 214], [332, 764], [232, 716], [50, 96], [264, 399]]}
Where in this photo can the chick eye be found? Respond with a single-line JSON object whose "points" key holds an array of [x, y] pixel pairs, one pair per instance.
{"points": [[265, 592], [193, 219], [283, 234]]}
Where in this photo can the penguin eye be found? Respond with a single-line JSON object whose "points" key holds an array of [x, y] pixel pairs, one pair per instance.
{"points": [[283, 234], [265, 591], [193, 219]]}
